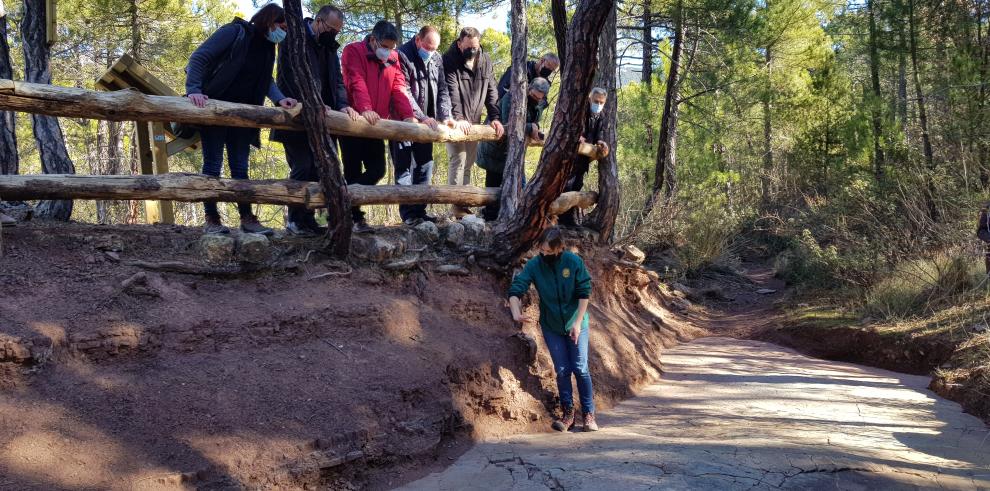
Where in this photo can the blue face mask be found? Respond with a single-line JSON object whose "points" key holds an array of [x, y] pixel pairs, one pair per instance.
{"points": [[383, 54], [596, 107], [276, 36], [425, 55]]}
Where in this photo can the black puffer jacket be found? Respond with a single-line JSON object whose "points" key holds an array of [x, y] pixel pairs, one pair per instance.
{"points": [[471, 91], [422, 78]]}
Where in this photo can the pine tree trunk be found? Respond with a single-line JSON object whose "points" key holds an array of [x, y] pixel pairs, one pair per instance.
{"points": [[603, 218], [323, 146], [9, 162], [922, 114], [557, 160], [878, 157], [47, 132], [515, 130], [765, 182], [558, 11], [647, 43]]}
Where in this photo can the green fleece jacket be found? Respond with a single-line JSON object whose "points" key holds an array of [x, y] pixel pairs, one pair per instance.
{"points": [[560, 286]]}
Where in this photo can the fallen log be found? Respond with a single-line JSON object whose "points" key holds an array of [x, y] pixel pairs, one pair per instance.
{"points": [[131, 105], [197, 187]]}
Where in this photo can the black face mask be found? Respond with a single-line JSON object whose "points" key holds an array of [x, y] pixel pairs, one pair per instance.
{"points": [[545, 72], [470, 53], [551, 259], [328, 38]]}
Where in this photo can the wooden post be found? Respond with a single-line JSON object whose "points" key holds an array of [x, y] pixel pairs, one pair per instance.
{"points": [[51, 27], [159, 154], [146, 156]]}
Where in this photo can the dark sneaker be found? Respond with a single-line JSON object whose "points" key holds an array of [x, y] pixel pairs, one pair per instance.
{"points": [[214, 226], [412, 222], [299, 230], [251, 225], [7, 220], [589, 422], [565, 423], [361, 226], [311, 223], [430, 218]]}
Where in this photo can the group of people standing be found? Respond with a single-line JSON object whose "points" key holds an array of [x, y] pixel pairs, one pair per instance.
{"points": [[375, 78]]}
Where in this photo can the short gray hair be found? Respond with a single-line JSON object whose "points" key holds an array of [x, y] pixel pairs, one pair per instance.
{"points": [[328, 10], [540, 85], [552, 57], [598, 90]]}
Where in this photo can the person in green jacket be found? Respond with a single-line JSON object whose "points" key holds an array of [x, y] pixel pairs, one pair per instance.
{"points": [[564, 286], [493, 154]]}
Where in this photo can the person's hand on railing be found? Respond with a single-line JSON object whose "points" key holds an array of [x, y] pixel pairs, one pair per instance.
{"points": [[371, 116], [464, 126], [432, 123], [602, 149], [354, 115], [288, 103], [198, 99], [499, 129], [534, 134]]}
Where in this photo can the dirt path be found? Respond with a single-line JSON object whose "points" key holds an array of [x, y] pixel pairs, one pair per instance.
{"points": [[735, 414]]}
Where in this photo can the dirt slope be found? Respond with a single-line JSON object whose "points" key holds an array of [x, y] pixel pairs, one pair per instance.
{"points": [[274, 381]]}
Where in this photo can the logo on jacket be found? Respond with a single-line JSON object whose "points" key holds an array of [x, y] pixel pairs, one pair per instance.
{"points": [[567, 273]]}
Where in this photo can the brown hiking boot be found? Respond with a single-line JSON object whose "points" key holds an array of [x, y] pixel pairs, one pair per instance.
{"points": [[565, 423], [214, 226], [589, 422], [7, 220], [251, 225]]}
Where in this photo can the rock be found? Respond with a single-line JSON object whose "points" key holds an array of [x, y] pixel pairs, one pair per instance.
{"points": [[217, 249], [633, 254], [453, 269], [679, 304], [255, 248], [428, 232], [113, 256], [455, 234], [474, 228], [405, 262], [375, 248], [109, 243], [766, 291], [139, 278], [89, 259]]}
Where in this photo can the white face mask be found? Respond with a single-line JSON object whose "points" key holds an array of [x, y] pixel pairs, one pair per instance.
{"points": [[383, 53], [596, 107]]}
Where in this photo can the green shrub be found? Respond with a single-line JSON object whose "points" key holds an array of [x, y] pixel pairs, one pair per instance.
{"points": [[921, 286], [808, 262]]}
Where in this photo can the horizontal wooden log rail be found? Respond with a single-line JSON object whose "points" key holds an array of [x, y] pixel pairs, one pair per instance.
{"points": [[131, 105], [197, 187]]}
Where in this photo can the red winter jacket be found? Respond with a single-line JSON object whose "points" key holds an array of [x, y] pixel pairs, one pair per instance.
{"points": [[373, 85]]}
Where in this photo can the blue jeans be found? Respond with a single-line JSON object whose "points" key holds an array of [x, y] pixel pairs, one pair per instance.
{"points": [[238, 143], [569, 359], [413, 165]]}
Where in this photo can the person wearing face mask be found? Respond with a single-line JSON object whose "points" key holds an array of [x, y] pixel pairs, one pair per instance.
{"points": [[423, 68], [546, 66], [564, 286], [471, 82], [493, 154], [321, 51], [235, 64], [593, 133], [377, 89]]}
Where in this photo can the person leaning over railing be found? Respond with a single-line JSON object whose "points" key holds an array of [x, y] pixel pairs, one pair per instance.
{"points": [[235, 64], [593, 134], [546, 66], [321, 52], [377, 89], [423, 68], [493, 154], [471, 82]]}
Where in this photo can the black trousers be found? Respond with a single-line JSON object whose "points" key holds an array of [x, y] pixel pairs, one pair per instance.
{"points": [[302, 167], [413, 165], [364, 163], [492, 180], [572, 217]]}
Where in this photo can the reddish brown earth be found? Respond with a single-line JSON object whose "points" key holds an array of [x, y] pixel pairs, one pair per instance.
{"points": [[275, 380]]}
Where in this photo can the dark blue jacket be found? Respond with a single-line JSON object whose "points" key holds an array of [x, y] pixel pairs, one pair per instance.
{"points": [[321, 57], [493, 154], [422, 78], [215, 63], [560, 285]]}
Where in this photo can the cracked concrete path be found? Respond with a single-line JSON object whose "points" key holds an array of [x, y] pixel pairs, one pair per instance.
{"points": [[733, 414]]}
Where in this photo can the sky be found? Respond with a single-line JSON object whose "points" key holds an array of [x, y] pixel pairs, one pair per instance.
{"points": [[494, 19]]}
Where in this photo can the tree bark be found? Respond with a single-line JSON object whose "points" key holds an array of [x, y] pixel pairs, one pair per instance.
{"points": [[919, 92], [765, 182], [47, 132], [558, 11], [197, 187], [603, 218], [318, 132], [515, 131], [647, 68], [9, 161], [878, 157], [557, 159], [666, 161]]}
